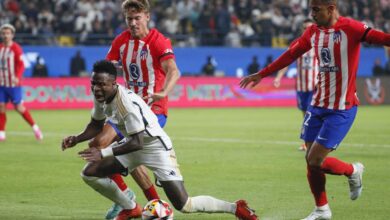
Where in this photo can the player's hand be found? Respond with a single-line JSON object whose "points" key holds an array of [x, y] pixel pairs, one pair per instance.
{"points": [[253, 79], [15, 80], [276, 82], [155, 97], [68, 142], [91, 154]]}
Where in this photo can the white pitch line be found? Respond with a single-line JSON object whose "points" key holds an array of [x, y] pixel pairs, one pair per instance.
{"points": [[213, 140]]}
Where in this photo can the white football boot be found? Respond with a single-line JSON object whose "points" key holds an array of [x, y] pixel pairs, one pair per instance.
{"points": [[355, 181], [320, 213]]}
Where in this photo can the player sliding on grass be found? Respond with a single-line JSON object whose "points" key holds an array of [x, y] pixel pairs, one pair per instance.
{"points": [[336, 41], [145, 143], [150, 71]]}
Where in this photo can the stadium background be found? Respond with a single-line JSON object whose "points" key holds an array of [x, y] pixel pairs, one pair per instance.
{"points": [[230, 153]]}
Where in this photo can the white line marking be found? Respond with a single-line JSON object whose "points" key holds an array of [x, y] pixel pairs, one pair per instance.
{"points": [[212, 140]]}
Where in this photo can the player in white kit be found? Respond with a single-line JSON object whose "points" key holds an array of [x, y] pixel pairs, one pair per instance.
{"points": [[145, 143]]}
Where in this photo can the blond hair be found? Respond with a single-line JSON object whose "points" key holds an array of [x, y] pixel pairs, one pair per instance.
{"points": [[137, 5], [8, 26]]}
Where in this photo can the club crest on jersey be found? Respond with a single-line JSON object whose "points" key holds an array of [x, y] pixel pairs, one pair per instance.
{"points": [[144, 54], [337, 37], [134, 71], [325, 56]]}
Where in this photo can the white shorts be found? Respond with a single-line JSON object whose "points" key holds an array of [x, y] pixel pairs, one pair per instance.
{"points": [[157, 158]]}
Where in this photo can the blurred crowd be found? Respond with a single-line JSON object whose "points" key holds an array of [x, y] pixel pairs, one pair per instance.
{"points": [[234, 23]]}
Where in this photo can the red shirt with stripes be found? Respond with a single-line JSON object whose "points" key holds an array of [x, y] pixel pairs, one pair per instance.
{"points": [[11, 65], [307, 70], [337, 50], [141, 61]]}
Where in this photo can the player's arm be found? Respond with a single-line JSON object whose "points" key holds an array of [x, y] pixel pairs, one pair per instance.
{"points": [[93, 128], [127, 145], [172, 75], [296, 50], [373, 36], [279, 76], [19, 65]]}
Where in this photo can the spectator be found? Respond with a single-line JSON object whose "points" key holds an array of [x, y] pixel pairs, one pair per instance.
{"points": [[40, 69], [377, 69], [254, 66], [77, 65], [208, 69]]}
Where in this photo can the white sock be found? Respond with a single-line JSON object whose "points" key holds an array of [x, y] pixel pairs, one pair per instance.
{"points": [[110, 190], [324, 207], [2, 134], [208, 204]]}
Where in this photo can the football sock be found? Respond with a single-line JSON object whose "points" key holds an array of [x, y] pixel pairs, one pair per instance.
{"points": [[151, 193], [117, 178], [335, 166], [27, 116], [317, 180], [208, 204], [3, 120], [110, 190]]}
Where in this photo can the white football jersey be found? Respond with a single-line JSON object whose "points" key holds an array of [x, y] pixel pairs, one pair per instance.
{"points": [[132, 115]]}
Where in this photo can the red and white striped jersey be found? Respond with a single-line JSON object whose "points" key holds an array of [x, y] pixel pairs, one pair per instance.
{"points": [[11, 65], [337, 49], [141, 61], [307, 70]]}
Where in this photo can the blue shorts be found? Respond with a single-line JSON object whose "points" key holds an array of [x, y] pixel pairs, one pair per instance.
{"points": [[162, 120], [13, 94], [304, 100], [327, 127]]}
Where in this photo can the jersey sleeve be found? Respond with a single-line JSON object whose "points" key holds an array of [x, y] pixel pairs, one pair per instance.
{"points": [[113, 52], [97, 112], [163, 48], [19, 64], [358, 30]]}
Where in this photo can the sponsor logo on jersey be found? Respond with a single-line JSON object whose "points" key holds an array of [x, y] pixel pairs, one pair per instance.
{"points": [[134, 71], [329, 69], [325, 56], [139, 84]]}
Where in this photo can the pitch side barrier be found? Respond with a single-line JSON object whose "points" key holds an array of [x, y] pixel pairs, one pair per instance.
{"points": [[190, 92]]}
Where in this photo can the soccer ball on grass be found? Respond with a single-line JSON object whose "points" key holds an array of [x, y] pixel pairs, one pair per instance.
{"points": [[157, 209]]}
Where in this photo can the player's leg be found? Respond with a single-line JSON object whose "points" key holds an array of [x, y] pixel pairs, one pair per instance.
{"points": [[303, 103], [96, 176], [165, 167], [16, 98], [312, 124], [3, 116], [179, 198]]}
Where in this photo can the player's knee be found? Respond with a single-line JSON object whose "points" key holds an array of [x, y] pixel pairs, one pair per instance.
{"points": [[314, 163]]}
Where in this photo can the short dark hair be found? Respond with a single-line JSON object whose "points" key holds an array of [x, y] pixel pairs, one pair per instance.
{"points": [[105, 66]]}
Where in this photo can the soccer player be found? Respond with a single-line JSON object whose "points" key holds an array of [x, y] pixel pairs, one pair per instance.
{"points": [[336, 42], [145, 143], [306, 79], [11, 73], [150, 71]]}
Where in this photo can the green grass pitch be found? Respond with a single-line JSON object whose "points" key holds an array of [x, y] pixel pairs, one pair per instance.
{"points": [[237, 153]]}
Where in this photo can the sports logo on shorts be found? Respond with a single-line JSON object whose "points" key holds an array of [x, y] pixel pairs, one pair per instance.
{"points": [[134, 71], [325, 56]]}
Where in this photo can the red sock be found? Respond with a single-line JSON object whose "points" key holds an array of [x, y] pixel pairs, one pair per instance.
{"points": [[3, 120], [151, 193], [317, 180], [27, 116], [117, 178], [335, 166]]}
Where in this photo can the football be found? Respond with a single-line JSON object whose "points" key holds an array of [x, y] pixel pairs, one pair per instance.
{"points": [[157, 209]]}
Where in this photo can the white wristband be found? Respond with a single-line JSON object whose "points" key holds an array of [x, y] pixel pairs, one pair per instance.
{"points": [[107, 152]]}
